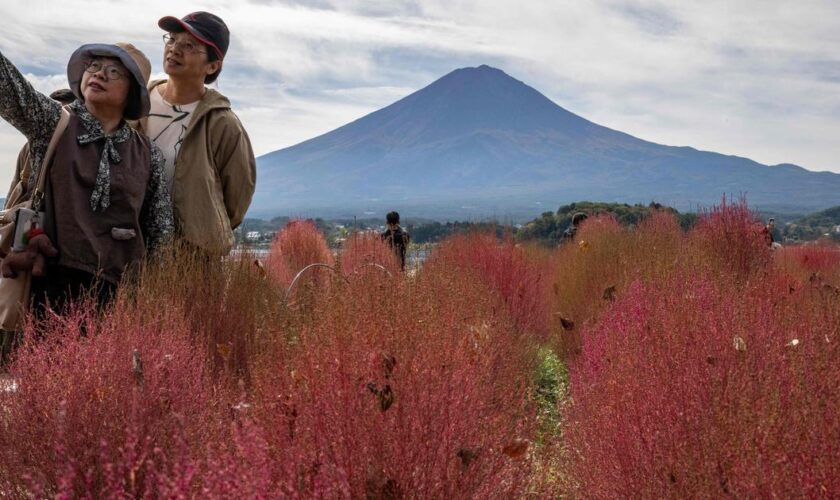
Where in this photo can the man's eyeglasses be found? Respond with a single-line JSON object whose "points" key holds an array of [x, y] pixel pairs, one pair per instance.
{"points": [[112, 72], [185, 46]]}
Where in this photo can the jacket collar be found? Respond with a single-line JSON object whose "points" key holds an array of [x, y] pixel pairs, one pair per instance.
{"points": [[212, 100]]}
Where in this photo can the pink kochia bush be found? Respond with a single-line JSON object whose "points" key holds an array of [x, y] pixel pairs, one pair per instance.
{"points": [[377, 386], [296, 246], [703, 387], [506, 269], [702, 365], [402, 387], [728, 239], [105, 407], [821, 258], [363, 251]]}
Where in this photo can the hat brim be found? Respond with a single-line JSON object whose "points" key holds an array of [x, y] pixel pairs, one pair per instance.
{"points": [[174, 25], [76, 69]]}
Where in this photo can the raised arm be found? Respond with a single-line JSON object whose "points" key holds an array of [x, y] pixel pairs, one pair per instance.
{"points": [[31, 112]]}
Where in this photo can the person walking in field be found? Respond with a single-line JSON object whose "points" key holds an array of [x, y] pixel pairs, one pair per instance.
{"points": [[571, 231], [767, 232], [209, 163], [396, 237]]}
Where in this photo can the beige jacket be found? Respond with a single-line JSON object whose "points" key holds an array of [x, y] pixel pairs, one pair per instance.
{"points": [[215, 175]]}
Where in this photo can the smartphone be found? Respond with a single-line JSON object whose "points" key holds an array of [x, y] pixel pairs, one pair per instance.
{"points": [[25, 220]]}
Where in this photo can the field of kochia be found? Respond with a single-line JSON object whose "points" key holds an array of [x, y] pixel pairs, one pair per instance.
{"points": [[644, 363]]}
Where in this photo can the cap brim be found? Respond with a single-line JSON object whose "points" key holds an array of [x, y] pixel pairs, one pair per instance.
{"points": [[174, 25], [76, 68]]}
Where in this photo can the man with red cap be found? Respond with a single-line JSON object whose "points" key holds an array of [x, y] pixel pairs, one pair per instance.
{"points": [[210, 166]]}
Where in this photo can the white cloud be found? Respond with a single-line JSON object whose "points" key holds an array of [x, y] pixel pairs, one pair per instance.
{"points": [[756, 78], [291, 119]]}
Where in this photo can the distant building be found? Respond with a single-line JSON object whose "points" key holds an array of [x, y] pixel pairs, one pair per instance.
{"points": [[252, 235]]}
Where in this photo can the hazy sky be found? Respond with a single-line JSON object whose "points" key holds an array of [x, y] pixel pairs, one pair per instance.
{"points": [[754, 78]]}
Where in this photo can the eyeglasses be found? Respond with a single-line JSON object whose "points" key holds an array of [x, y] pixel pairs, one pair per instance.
{"points": [[186, 46], [112, 72]]}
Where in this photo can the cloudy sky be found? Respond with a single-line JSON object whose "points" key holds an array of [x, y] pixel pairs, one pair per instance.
{"points": [[754, 78]]}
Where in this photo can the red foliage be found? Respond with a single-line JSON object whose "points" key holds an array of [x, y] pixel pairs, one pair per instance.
{"points": [[506, 269], [386, 387], [411, 386], [729, 238], [602, 262], [706, 367], [660, 226], [97, 401], [364, 252], [298, 245], [701, 387], [603, 225], [824, 258]]}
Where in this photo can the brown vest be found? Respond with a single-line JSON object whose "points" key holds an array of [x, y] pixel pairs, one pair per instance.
{"points": [[83, 237]]}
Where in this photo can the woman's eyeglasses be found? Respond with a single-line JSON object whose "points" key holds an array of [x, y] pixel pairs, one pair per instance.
{"points": [[112, 72]]}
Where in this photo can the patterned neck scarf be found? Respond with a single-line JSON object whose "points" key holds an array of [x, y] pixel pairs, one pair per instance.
{"points": [[101, 196]]}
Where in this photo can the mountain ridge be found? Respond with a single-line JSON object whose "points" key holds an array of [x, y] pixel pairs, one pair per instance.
{"points": [[480, 138]]}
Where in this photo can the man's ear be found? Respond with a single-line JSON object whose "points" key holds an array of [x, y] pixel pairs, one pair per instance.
{"points": [[213, 67]]}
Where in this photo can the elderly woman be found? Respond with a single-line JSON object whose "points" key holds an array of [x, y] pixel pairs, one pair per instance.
{"points": [[106, 203]]}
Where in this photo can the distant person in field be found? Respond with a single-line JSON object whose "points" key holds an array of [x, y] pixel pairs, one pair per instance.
{"points": [[569, 233], [767, 231], [209, 164], [397, 237]]}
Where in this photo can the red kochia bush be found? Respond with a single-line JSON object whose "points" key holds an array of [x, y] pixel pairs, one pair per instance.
{"points": [[104, 406], [822, 258], [363, 251], [373, 387], [506, 269], [581, 272], [728, 239], [298, 245], [396, 388], [702, 387]]}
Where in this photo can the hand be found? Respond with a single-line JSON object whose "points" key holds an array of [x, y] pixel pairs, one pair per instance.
{"points": [[32, 259]]}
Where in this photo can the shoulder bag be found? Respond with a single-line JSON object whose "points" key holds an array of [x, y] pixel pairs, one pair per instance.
{"points": [[14, 292]]}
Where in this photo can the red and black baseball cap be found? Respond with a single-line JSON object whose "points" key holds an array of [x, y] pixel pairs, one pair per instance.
{"points": [[208, 28]]}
